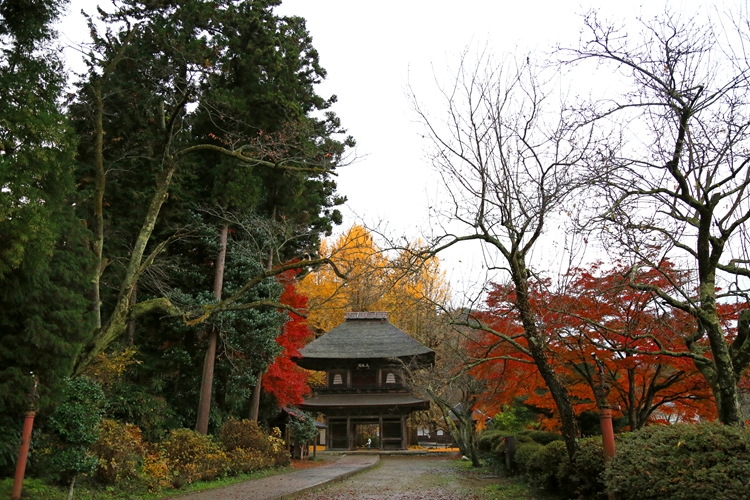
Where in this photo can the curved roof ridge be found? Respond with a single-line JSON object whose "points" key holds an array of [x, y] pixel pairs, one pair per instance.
{"points": [[360, 337]]}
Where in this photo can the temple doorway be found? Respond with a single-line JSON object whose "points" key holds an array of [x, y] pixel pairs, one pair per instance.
{"points": [[367, 430]]}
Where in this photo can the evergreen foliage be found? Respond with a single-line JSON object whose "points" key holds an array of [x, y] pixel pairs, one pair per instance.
{"points": [[302, 427], [74, 427], [45, 266], [683, 461]]}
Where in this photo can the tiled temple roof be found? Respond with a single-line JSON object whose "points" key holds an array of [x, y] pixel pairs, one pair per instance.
{"points": [[364, 335]]}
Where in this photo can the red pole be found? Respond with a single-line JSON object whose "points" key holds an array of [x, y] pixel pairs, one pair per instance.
{"points": [[601, 391], [28, 424], [23, 453], [608, 434]]}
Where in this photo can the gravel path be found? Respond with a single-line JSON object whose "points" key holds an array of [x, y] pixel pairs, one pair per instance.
{"points": [[417, 478]]}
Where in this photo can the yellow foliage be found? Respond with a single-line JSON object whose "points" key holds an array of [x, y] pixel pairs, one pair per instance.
{"points": [[245, 460], [119, 451], [108, 368], [155, 472], [412, 290], [194, 457]]}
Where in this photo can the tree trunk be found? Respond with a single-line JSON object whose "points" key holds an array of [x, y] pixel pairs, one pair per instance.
{"points": [[725, 389], [723, 378], [98, 219], [255, 406], [72, 486], [255, 403], [207, 380], [131, 323], [537, 351], [117, 323]]}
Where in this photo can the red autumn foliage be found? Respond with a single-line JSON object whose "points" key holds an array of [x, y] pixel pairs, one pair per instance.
{"points": [[640, 342], [284, 379]]}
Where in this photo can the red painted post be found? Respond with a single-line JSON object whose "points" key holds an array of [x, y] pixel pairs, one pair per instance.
{"points": [[601, 392], [608, 434], [23, 454]]}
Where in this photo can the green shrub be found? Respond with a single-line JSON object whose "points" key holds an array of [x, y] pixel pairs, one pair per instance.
{"points": [[541, 437], [152, 414], [74, 427], [489, 440], [119, 450], [302, 427], [513, 419], [525, 458], [583, 477], [546, 464], [684, 461], [194, 457]]}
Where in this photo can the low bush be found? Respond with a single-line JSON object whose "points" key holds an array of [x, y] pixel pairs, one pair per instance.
{"points": [[525, 458], [489, 440], [583, 477], [194, 457], [544, 466], [279, 452], [684, 461], [541, 437], [243, 461], [245, 434], [547, 466], [493, 441], [155, 473], [119, 450]]}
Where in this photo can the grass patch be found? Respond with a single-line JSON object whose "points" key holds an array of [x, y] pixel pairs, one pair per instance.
{"points": [[502, 487], [36, 489], [33, 489], [512, 488]]}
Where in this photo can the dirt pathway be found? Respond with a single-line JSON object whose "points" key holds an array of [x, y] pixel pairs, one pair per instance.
{"points": [[413, 478]]}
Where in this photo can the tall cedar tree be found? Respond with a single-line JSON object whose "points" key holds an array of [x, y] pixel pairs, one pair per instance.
{"points": [[44, 263]]}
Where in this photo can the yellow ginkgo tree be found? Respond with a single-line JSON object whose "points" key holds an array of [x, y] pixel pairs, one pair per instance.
{"points": [[377, 280]]}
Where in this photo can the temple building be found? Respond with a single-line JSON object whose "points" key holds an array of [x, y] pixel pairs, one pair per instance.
{"points": [[364, 395]]}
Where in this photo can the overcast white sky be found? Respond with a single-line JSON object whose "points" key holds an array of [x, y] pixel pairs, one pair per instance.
{"points": [[372, 50]]}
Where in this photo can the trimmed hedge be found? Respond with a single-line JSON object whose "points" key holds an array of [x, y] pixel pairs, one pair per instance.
{"points": [[541, 437], [549, 467], [489, 440], [682, 462], [678, 462]]}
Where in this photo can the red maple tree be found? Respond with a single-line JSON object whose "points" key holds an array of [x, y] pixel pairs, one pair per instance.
{"points": [[640, 343], [284, 379]]}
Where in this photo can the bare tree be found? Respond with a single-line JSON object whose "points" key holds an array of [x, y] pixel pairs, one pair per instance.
{"points": [[507, 151], [451, 386], [675, 178]]}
